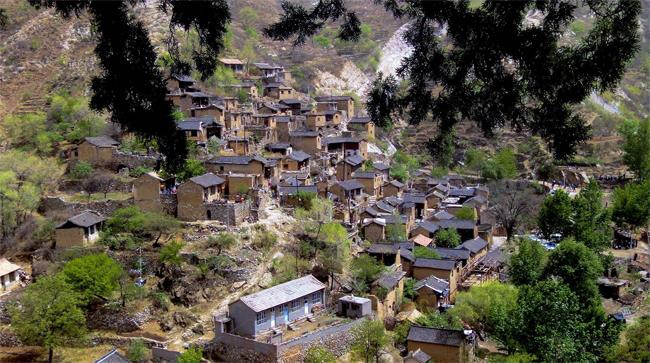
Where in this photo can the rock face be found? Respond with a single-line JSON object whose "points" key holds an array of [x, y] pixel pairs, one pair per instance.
{"points": [[121, 322], [394, 51]]}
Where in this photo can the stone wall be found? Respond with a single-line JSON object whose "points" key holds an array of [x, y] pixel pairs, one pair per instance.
{"points": [[9, 339], [122, 159], [56, 204], [230, 214], [120, 322], [169, 204], [233, 348], [337, 339]]}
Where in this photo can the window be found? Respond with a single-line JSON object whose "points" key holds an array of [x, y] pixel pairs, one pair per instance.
{"points": [[262, 317], [295, 305], [316, 297], [193, 133]]}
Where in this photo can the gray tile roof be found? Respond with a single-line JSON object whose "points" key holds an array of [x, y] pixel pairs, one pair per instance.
{"points": [[113, 357], [396, 183], [390, 279], [419, 198], [102, 141], [434, 283], [84, 219], [462, 192], [207, 180], [278, 146], [428, 226], [350, 184], [290, 101], [354, 160], [452, 253], [182, 78], [435, 264], [393, 200], [456, 223], [420, 356], [449, 337], [283, 293], [332, 98], [474, 245], [303, 133], [360, 120], [380, 166], [340, 140], [385, 207], [443, 214], [382, 248], [237, 160], [364, 174], [299, 155]]}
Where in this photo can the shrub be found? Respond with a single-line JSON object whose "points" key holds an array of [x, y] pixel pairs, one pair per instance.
{"points": [[425, 252], [81, 170], [137, 351], [264, 239]]}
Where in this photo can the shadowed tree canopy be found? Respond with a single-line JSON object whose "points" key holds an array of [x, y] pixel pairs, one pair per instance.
{"points": [[491, 65], [130, 85]]}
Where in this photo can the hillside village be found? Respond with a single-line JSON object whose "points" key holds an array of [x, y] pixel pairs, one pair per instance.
{"points": [[301, 229], [267, 151]]}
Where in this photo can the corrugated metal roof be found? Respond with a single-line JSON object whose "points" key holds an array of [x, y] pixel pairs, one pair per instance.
{"points": [[283, 293]]}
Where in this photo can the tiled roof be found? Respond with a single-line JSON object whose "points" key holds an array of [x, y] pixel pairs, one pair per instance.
{"points": [[452, 253], [292, 190], [462, 192], [350, 184], [303, 133], [435, 263], [354, 160], [390, 279], [102, 141], [332, 98], [443, 214], [237, 160], [283, 293], [449, 337], [364, 174], [182, 78], [380, 166], [299, 155], [84, 219], [207, 180], [360, 120], [340, 140], [434, 283], [474, 245]]}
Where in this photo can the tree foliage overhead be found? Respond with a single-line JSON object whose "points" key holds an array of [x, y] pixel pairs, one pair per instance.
{"points": [[131, 86], [493, 66]]}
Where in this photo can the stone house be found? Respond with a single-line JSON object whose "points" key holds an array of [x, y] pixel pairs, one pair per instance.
{"points": [[432, 292], [268, 108], [363, 126], [435, 198], [275, 307], [195, 192], [150, 192], [200, 129], [333, 118], [282, 148], [233, 120], [235, 65], [372, 182], [383, 169], [182, 82], [79, 230], [462, 256], [307, 141], [252, 165], [347, 190], [218, 112], [96, 150], [266, 70], [293, 104], [478, 247], [296, 161], [181, 101], [239, 145], [448, 270], [393, 188], [374, 230], [278, 91], [347, 166], [9, 274], [288, 195], [386, 253], [283, 127], [239, 184], [343, 103], [230, 103], [346, 146], [389, 289], [442, 345], [315, 121], [419, 203]]}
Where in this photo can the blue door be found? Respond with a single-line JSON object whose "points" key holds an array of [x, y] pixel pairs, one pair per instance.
{"points": [[286, 313]]}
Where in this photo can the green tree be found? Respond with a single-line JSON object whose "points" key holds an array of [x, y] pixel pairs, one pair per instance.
{"points": [[170, 254], [578, 267], [221, 241], [591, 220], [507, 163], [368, 340], [334, 257], [435, 319], [489, 307], [29, 132], [467, 213], [319, 354], [636, 146], [137, 351], [425, 252], [396, 231], [556, 215], [381, 105], [474, 160], [366, 269], [190, 355], [635, 348], [248, 16], [550, 323], [93, 276], [81, 170], [526, 265], [447, 237], [631, 205], [49, 315], [72, 119], [191, 168]]}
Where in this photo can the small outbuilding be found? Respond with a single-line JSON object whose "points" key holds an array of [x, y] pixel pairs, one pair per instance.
{"points": [[79, 230], [8, 273], [351, 306]]}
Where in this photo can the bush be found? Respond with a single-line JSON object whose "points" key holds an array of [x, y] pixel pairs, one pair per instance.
{"points": [[264, 239], [447, 238], [425, 252], [138, 171], [160, 300], [137, 351], [319, 354], [466, 213], [81, 170]]}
